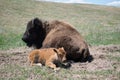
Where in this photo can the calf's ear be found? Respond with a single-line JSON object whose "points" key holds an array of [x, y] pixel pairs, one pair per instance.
{"points": [[62, 50]]}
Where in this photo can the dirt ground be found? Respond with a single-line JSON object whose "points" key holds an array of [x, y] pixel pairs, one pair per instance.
{"points": [[105, 66]]}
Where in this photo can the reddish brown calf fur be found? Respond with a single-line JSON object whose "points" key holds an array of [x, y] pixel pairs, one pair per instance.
{"points": [[47, 56]]}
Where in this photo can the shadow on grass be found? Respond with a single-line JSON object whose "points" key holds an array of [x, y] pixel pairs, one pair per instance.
{"points": [[88, 59]]}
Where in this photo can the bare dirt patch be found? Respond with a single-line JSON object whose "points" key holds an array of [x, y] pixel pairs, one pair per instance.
{"points": [[105, 65]]}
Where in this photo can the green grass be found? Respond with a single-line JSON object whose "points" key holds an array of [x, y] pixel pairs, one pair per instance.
{"points": [[10, 41], [98, 38], [17, 72], [98, 24], [43, 73]]}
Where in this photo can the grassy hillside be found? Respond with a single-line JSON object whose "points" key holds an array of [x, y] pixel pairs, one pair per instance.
{"points": [[100, 25]]}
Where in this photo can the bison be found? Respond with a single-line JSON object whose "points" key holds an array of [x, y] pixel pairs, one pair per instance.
{"points": [[55, 34]]}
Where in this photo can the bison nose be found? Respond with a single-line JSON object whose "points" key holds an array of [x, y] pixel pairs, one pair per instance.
{"points": [[24, 39]]}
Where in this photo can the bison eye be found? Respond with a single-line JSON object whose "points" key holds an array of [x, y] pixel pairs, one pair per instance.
{"points": [[31, 31]]}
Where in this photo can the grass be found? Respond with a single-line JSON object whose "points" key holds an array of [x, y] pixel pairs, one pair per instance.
{"points": [[98, 24], [114, 58], [13, 70], [42, 73], [10, 41], [104, 38], [14, 66]]}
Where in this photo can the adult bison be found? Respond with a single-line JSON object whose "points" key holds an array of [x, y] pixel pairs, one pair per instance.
{"points": [[46, 34]]}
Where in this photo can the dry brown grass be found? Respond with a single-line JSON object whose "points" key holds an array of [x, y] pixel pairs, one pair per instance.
{"points": [[14, 65]]}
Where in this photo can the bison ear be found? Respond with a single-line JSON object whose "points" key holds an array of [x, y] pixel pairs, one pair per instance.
{"points": [[37, 22]]}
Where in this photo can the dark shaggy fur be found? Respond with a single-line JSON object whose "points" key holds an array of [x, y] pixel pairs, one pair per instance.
{"points": [[46, 34]]}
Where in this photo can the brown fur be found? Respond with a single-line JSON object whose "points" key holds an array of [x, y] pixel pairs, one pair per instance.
{"points": [[47, 34], [47, 56]]}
